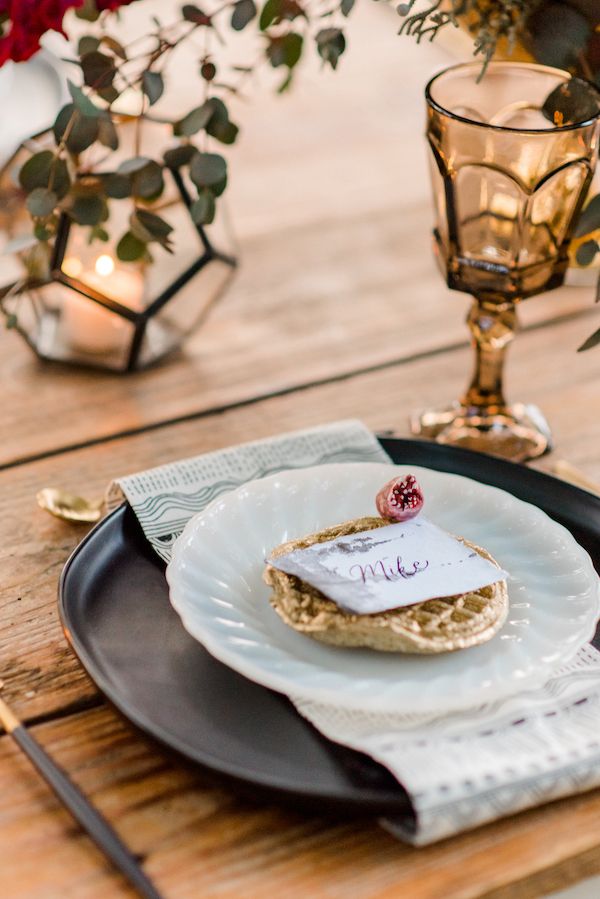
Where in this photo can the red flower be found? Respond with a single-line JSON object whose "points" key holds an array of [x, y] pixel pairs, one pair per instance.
{"points": [[28, 20]]}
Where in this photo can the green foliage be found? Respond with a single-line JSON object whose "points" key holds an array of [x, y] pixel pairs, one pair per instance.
{"points": [[586, 252], [87, 11], [331, 43], [285, 50], [82, 101], [243, 13], [86, 131], [178, 156], [130, 248], [202, 210], [78, 131], [219, 124], [117, 186], [194, 121], [41, 202], [148, 227], [45, 170], [591, 342], [208, 169], [589, 220], [87, 44], [98, 69], [573, 101], [153, 86], [194, 14], [87, 203]]}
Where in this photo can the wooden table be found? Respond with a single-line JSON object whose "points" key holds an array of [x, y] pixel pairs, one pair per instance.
{"points": [[337, 311]]}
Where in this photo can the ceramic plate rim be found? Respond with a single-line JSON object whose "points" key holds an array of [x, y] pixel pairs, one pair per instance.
{"points": [[283, 684]]}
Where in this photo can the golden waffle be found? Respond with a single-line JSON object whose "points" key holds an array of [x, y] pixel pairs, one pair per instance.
{"points": [[436, 625]]}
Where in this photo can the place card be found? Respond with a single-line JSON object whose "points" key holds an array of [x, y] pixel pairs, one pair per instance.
{"points": [[390, 567]]}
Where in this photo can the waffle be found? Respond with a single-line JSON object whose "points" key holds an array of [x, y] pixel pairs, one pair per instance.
{"points": [[433, 626]]}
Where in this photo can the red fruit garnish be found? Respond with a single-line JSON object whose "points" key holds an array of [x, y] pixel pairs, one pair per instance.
{"points": [[400, 499]]}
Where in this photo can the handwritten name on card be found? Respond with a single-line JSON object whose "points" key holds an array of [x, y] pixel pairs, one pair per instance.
{"points": [[390, 567]]}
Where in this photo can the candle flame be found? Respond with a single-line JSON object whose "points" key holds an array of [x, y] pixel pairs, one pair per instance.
{"points": [[104, 265], [72, 266]]}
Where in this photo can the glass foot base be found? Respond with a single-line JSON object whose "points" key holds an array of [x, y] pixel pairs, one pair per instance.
{"points": [[516, 432]]}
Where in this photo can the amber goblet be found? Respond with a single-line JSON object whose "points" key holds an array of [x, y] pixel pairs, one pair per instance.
{"points": [[508, 186]]}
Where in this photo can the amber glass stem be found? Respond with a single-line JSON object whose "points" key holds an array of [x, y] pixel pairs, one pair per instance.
{"points": [[492, 326]]}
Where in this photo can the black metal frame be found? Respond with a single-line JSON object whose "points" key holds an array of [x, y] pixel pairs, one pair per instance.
{"points": [[138, 319]]}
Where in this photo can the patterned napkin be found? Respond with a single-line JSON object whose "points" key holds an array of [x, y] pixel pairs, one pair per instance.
{"points": [[461, 769]]}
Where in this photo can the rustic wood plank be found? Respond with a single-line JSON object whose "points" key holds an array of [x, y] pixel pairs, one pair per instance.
{"points": [[194, 835], [331, 200], [198, 839], [41, 674], [298, 314]]}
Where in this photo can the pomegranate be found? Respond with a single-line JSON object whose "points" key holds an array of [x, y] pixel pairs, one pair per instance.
{"points": [[400, 499]]}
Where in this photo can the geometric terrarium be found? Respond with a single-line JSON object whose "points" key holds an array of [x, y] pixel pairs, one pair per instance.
{"points": [[86, 306]]}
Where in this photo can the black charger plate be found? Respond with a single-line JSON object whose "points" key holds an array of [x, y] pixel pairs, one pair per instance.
{"points": [[116, 614]]}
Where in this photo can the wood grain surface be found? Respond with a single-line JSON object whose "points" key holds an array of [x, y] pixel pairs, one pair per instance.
{"points": [[338, 311]]}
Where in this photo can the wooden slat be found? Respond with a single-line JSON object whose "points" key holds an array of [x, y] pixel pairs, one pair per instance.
{"points": [[41, 674], [197, 839], [330, 195]]}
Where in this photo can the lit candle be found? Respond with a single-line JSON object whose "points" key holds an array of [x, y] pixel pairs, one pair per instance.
{"points": [[92, 328]]}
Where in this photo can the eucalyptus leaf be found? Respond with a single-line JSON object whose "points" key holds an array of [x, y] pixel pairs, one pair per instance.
{"points": [[133, 165], [275, 11], [586, 252], [243, 13], [592, 341], [207, 169], [226, 133], [88, 209], [59, 180], [98, 233], [194, 14], [346, 7], [285, 50], [110, 93], [178, 156], [148, 182], [589, 219], [45, 170], [270, 13], [98, 69], [194, 121], [571, 102], [36, 171], [87, 44], [331, 43], [117, 186], [41, 202], [219, 125], [117, 48], [81, 130], [202, 210], [42, 232], [153, 86], [286, 83], [82, 101], [130, 248], [107, 133], [218, 188], [87, 11], [148, 226]]}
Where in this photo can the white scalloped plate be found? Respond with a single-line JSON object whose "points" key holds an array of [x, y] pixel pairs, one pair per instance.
{"points": [[216, 586]]}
